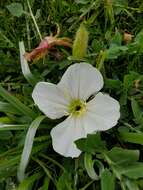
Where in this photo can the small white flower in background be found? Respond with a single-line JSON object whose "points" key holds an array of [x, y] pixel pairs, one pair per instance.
{"points": [[71, 98]]}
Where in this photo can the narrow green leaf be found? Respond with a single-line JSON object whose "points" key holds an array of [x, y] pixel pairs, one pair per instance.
{"points": [[138, 114], [28, 182], [139, 41], [109, 12], [131, 184], [80, 43], [89, 166], [5, 135], [7, 164], [40, 147], [119, 6], [45, 185], [24, 66], [5, 120], [64, 181], [107, 180], [28, 146], [6, 41], [7, 108], [136, 138], [53, 161], [128, 82], [46, 170], [16, 103], [11, 158], [5, 127]]}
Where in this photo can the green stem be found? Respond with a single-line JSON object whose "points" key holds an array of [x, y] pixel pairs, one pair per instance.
{"points": [[54, 161], [87, 185], [100, 60], [35, 23], [76, 175]]}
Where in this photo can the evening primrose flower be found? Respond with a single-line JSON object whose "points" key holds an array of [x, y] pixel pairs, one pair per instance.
{"points": [[76, 96]]}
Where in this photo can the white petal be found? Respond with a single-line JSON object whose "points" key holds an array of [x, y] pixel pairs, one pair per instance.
{"points": [[64, 135], [102, 114], [81, 80], [50, 99]]}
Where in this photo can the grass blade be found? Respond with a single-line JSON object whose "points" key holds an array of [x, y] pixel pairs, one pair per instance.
{"points": [[7, 108], [5, 127], [16, 103], [136, 138], [25, 184], [89, 165], [46, 170], [24, 66], [28, 146]]}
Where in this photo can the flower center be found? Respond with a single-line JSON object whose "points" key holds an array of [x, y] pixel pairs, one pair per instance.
{"points": [[77, 107]]}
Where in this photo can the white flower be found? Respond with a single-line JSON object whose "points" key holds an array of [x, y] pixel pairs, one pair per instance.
{"points": [[71, 97]]}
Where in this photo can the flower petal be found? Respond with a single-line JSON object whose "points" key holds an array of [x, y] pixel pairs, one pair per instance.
{"points": [[102, 114], [81, 80], [64, 135], [50, 100]]}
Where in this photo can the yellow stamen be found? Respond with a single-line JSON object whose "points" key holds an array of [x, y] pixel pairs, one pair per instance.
{"points": [[77, 107]]}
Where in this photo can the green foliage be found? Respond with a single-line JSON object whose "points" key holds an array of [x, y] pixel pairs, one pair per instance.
{"points": [[64, 182], [110, 160], [123, 156], [28, 183], [137, 112], [107, 180], [28, 146], [24, 66], [89, 166], [132, 137], [16, 9], [16, 103], [91, 144]]}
